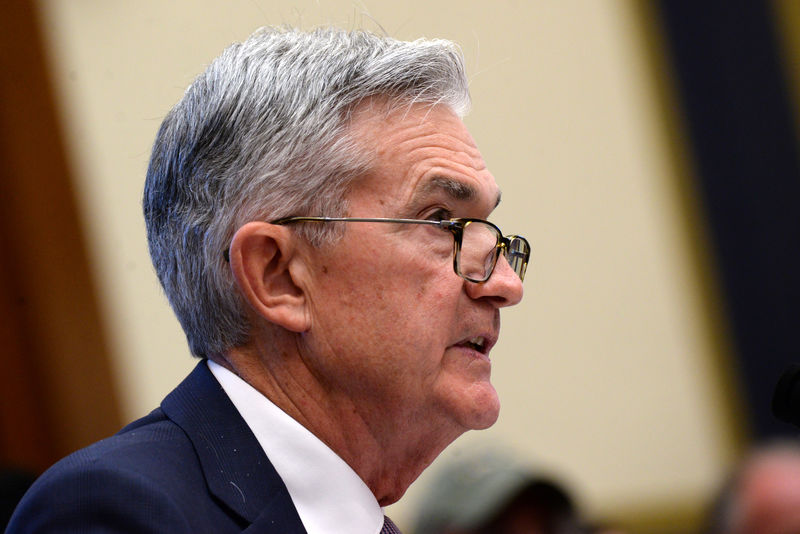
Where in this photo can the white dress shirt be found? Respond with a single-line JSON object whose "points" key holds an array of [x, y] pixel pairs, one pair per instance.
{"points": [[329, 496]]}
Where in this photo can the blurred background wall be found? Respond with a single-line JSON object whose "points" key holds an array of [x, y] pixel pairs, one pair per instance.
{"points": [[648, 150]]}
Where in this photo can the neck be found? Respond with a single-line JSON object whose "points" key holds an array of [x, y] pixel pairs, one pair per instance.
{"points": [[388, 448]]}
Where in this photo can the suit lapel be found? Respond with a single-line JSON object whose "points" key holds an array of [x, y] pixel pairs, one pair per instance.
{"points": [[236, 469]]}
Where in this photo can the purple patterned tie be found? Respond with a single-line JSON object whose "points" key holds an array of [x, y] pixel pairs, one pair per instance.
{"points": [[389, 527]]}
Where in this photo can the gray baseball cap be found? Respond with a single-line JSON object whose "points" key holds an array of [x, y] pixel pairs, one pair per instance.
{"points": [[470, 491]]}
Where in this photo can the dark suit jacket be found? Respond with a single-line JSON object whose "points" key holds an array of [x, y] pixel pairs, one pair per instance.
{"points": [[191, 466]]}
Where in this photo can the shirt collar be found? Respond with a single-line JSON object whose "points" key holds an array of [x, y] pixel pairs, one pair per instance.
{"points": [[329, 496]]}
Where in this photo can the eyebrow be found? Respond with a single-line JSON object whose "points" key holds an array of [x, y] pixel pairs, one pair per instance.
{"points": [[453, 188]]}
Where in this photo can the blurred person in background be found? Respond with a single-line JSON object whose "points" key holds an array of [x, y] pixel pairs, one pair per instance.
{"points": [[490, 492], [762, 495]]}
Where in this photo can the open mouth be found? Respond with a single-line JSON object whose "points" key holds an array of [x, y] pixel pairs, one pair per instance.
{"points": [[477, 343]]}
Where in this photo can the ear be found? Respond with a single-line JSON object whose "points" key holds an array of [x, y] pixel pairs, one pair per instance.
{"points": [[262, 258]]}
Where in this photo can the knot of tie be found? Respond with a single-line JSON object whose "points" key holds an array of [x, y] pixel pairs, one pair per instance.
{"points": [[389, 527]]}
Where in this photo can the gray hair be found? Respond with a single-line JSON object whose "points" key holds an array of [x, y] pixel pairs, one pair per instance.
{"points": [[263, 134]]}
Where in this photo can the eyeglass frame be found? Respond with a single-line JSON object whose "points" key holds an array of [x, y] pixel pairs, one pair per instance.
{"points": [[456, 226]]}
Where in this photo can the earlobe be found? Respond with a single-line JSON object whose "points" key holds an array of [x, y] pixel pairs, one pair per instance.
{"points": [[262, 259]]}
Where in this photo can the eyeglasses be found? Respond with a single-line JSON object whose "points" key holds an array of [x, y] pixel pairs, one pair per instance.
{"points": [[477, 243]]}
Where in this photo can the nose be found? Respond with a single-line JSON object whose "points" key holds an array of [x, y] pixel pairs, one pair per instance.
{"points": [[503, 288]]}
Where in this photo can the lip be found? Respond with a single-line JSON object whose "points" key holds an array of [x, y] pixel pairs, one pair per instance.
{"points": [[467, 343]]}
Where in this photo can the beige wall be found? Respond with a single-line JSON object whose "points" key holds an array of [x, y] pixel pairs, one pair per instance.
{"points": [[606, 371]]}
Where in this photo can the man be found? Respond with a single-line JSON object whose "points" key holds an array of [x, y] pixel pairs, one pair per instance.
{"points": [[762, 494], [314, 208], [489, 491]]}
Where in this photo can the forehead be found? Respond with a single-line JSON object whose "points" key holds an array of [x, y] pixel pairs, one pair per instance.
{"points": [[419, 151]]}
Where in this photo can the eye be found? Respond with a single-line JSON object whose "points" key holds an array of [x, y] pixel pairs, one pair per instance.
{"points": [[439, 214]]}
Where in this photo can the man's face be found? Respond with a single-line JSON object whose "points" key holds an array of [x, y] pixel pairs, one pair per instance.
{"points": [[394, 330], [770, 500]]}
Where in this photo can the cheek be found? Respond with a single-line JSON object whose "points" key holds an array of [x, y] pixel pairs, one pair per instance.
{"points": [[409, 321], [390, 293], [404, 280]]}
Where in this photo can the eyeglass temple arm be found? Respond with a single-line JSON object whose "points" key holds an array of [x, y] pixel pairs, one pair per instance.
{"points": [[287, 220]]}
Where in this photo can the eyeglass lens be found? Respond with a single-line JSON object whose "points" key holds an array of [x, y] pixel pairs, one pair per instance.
{"points": [[517, 254], [478, 245], [478, 253]]}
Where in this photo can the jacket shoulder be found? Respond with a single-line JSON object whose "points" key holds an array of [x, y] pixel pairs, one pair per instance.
{"points": [[93, 489], [146, 478]]}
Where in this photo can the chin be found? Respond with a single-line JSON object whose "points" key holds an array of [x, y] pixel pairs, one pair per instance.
{"points": [[484, 409], [486, 418]]}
